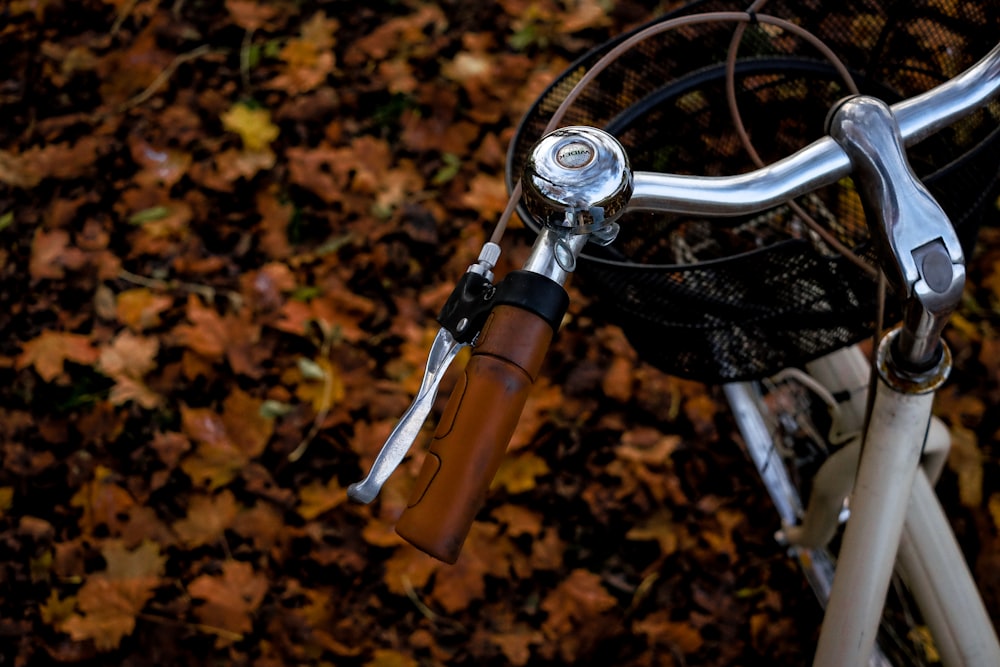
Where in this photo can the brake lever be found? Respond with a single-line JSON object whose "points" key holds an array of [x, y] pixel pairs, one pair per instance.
{"points": [[443, 352], [461, 320]]}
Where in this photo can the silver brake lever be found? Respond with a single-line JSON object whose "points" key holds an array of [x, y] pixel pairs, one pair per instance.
{"points": [[461, 318], [442, 353]]}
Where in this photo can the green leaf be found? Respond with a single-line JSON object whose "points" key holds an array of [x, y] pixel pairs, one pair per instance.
{"points": [[149, 215], [310, 369], [271, 409], [6, 220]]}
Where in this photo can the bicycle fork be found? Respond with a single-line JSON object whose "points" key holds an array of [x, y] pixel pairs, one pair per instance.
{"points": [[923, 262]]}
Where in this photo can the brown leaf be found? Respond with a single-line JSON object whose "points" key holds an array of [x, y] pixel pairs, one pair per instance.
{"points": [[659, 630], [104, 503], [579, 597], [129, 355], [207, 518], [230, 599], [110, 601], [49, 352], [226, 442], [317, 498], [51, 255], [139, 309], [206, 334], [519, 473], [966, 460]]}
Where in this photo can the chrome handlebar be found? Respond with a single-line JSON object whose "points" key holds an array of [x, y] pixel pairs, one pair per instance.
{"points": [[821, 163]]}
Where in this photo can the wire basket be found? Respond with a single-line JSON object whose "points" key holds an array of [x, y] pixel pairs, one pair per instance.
{"points": [[738, 298]]}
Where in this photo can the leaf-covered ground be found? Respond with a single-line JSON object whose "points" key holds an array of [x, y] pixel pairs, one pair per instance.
{"points": [[225, 231]]}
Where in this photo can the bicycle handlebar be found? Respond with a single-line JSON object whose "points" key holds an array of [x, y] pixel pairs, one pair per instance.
{"points": [[474, 430], [579, 182], [821, 163]]}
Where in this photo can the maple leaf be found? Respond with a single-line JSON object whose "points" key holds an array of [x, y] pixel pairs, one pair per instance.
{"points": [[104, 502], [317, 498], [225, 442], [126, 360], [966, 460], [207, 518], [128, 355], [229, 600], [51, 255], [577, 598], [252, 124], [139, 309], [49, 352], [659, 629], [110, 601], [251, 15], [384, 657], [659, 527], [486, 552], [206, 334], [518, 474]]}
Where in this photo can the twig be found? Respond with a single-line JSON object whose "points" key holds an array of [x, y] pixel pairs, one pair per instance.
{"points": [[200, 627], [245, 58], [163, 77], [321, 416], [123, 13], [326, 401], [207, 292]]}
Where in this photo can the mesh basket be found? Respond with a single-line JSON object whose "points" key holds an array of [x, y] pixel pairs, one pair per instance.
{"points": [[737, 298]]}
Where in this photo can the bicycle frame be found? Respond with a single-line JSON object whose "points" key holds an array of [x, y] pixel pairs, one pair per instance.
{"points": [[894, 513]]}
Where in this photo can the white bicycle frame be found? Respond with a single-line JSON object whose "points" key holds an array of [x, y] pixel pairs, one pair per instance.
{"points": [[894, 514], [929, 560]]}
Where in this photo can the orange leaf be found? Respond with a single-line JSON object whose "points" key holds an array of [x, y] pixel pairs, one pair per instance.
{"points": [[229, 599], [519, 520], [225, 442], [661, 630], [111, 600], [206, 334], [52, 349], [317, 498], [384, 657], [129, 355], [660, 528], [517, 474], [103, 502], [140, 309], [207, 518], [579, 597], [51, 255]]}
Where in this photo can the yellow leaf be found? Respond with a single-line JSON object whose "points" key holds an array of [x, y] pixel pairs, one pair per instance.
{"points": [[966, 460], [391, 658], [253, 125], [317, 498], [518, 474]]}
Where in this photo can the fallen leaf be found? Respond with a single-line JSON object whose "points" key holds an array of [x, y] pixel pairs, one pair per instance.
{"points": [[103, 501], [660, 629], [226, 442], [252, 124], [519, 473], [49, 352], [140, 308], [207, 518], [230, 599], [52, 254], [317, 498], [966, 460], [110, 601], [578, 597]]}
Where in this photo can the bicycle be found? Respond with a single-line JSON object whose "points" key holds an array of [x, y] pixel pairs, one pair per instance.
{"points": [[578, 182]]}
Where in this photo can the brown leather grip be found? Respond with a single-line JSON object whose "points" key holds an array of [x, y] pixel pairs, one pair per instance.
{"points": [[474, 431]]}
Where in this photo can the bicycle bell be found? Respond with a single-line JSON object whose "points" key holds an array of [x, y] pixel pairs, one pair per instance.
{"points": [[578, 180]]}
